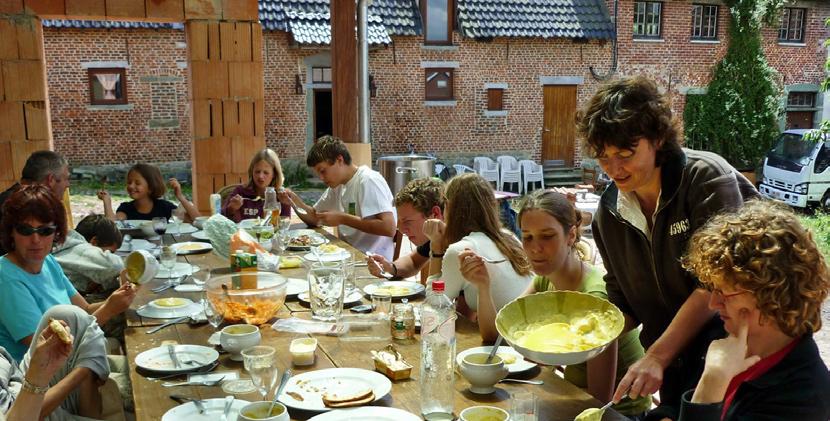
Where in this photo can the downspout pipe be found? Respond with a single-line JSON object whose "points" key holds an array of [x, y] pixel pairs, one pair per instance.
{"points": [[364, 126], [614, 42]]}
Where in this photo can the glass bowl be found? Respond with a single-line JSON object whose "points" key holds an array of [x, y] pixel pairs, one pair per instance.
{"points": [[251, 306]]}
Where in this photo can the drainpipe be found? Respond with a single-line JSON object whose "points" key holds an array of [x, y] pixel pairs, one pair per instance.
{"points": [[614, 42], [364, 127]]}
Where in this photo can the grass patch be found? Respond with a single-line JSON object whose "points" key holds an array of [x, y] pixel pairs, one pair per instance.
{"points": [[819, 224]]}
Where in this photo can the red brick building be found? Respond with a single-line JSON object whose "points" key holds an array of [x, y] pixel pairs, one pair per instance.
{"points": [[507, 78]]}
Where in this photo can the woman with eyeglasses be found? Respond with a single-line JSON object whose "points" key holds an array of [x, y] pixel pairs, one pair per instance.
{"points": [[768, 281]]}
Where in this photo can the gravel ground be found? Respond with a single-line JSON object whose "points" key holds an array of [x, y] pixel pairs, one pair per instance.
{"points": [[83, 205]]}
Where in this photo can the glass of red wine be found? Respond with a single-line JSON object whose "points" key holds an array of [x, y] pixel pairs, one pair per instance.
{"points": [[160, 227]]}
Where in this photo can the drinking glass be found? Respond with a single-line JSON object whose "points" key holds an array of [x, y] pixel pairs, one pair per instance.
{"points": [[160, 227], [168, 259], [382, 304], [348, 273], [260, 364], [523, 406], [212, 312], [325, 290]]}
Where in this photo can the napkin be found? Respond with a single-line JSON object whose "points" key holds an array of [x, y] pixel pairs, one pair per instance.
{"points": [[290, 262]]}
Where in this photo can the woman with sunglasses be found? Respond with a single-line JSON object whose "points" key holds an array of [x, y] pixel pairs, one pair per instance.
{"points": [[31, 279], [768, 281]]}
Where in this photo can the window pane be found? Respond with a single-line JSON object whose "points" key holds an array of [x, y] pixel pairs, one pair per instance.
{"points": [[437, 20], [796, 26], [327, 74], [696, 20], [639, 18], [785, 22]]}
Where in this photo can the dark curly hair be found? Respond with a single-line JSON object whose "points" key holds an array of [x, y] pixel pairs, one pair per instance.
{"points": [[624, 111], [763, 248], [32, 201], [423, 194]]}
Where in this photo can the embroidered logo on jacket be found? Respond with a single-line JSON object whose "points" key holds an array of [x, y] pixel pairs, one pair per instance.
{"points": [[679, 227]]}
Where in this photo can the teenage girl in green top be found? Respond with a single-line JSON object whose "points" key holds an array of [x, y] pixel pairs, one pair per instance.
{"points": [[550, 232]]}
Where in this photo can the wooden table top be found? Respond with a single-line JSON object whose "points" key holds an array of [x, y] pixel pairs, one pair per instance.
{"points": [[557, 399]]}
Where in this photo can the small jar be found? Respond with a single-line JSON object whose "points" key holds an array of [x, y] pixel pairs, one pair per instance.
{"points": [[403, 322]]}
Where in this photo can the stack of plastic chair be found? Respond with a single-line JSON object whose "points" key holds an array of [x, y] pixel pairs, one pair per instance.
{"points": [[532, 173], [510, 172], [461, 169], [487, 169]]}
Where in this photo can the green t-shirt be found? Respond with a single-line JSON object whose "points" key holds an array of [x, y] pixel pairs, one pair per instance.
{"points": [[629, 349]]}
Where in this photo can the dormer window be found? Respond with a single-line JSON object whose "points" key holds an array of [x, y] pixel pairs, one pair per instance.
{"points": [[438, 21]]}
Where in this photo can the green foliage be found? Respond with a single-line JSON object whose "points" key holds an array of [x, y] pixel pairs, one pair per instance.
{"points": [[738, 116], [819, 224]]}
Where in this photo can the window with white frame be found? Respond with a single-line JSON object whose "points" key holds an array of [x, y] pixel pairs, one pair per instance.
{"points": [[647, 17], [704, 21], [792, 25]]}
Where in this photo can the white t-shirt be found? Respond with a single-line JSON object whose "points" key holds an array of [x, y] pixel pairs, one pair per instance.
{"points": [[365, 194], [505, 284]]}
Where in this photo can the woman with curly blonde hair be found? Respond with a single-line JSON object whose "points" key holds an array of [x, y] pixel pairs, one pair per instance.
{"points": [[768, 281]]}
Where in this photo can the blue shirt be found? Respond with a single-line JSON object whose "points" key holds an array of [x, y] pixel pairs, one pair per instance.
{"points": [[25, 298]]}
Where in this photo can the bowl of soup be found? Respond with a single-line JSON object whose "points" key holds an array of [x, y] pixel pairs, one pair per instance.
{"points": [[247, 297], [257, 411], [559, 327]]}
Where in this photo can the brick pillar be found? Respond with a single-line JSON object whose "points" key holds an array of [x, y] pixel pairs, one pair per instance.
{"points": [[24, 103], [226, 93]]}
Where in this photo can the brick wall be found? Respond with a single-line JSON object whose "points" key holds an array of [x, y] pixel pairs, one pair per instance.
{"points": [[154, 127]]}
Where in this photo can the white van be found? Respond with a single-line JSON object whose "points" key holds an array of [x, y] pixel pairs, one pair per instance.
{"points": [[797, 171]]}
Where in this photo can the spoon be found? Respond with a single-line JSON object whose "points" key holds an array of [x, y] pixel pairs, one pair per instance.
{"points": [[591, 414], [522, 381], [493, 351], [228, 403], [284, 381], [256, 199]]}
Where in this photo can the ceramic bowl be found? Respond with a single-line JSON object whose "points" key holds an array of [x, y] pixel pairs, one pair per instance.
{"points": [[235, 338], [482, 413], [141, 266], [482, 377], [199, 222], [557, 306], [256, 411]]}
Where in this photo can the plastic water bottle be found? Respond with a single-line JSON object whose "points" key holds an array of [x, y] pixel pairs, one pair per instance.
{"points": [[437, 355], [215, 203]]}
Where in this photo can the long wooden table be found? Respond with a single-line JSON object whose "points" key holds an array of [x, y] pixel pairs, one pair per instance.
{"points": [[557, 399]]}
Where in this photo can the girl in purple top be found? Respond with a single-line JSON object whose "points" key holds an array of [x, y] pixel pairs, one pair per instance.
{"points": [[264, 171]]}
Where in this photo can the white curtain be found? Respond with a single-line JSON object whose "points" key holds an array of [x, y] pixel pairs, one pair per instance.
{"points": [[108, 82]]}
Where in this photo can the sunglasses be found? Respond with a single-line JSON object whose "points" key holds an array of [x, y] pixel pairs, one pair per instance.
{"points": [[43, 230]]}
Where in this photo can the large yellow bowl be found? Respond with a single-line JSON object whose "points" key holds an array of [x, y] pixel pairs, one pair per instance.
{"points": [[519, 313]]}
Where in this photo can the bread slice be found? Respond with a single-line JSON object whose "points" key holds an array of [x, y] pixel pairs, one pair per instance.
{"points": [[59, 330], [343, 398]]}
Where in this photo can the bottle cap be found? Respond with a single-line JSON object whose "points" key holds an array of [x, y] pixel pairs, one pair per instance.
{"points": [[438, 286]]}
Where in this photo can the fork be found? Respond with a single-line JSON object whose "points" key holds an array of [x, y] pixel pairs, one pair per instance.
{"points": [[256, 199], [209, 383], [382, 273]]}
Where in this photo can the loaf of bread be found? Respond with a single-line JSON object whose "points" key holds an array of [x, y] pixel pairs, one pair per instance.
{"points": [[59, 330]]}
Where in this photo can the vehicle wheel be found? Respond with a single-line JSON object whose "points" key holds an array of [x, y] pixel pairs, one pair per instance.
{"points": [[825, 202]]}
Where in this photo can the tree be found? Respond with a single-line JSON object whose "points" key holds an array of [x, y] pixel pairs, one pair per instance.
{"points": [[738, 115]]}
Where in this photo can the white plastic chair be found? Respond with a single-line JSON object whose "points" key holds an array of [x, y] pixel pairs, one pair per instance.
{"points": [[510, 172], [532, 173], [487, 169], [461, 169]]}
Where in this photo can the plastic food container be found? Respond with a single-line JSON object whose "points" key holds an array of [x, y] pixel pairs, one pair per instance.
{"points": [[302, 351]]}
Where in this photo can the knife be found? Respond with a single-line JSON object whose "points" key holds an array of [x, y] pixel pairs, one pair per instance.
{"points": [[172, 322], [185, 399], [172, 351]]}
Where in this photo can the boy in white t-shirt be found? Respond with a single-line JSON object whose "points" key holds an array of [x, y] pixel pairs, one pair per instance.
{"points": [[358, 200]]}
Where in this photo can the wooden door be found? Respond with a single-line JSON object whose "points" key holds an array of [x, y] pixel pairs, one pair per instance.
{"points": [[559, 127], [799, 119]]}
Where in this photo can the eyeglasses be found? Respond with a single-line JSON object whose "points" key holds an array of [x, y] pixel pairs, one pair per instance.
{"points": [[43, 230], [718, 293]]}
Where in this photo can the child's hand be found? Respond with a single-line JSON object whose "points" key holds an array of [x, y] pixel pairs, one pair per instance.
{"points": [[234, 203], [174, 184], [104, 196], [330, 219], [473, 268]]}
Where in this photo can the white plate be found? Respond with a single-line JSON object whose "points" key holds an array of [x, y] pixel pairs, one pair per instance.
{"points": [[136, 244], [315, 383], [189, 288], [130, 224], [367, 413], [183, 228], [352, 298], [179, 270], [328, 257], [214, 408], [317, 239], [296, 286], [184, 302], [408, 289], [200, 235], [191, 247], [154, 312], [158, 359], [520, 365]]}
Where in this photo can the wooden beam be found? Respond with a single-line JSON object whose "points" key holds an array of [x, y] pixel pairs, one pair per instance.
{"points": [[22, 150], [6, 170], [211, 155], [8, 40], [126, 9], [172, 10], [46, 8], [244, 10], [11, 7], [197, 40], [86, 9], [242, 149], [30, 40], [37, 120], [203, 9], [344, 70], [209, 79], [24, 80], [256, 42], [12, 121]]}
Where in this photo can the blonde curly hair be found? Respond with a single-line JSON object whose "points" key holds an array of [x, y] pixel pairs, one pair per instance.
{"points": [[764, 249]]}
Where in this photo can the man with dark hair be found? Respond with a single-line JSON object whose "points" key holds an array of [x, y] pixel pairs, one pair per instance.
{"points": [[418, 201], [42, 167], [357, 201], [660, 195]]}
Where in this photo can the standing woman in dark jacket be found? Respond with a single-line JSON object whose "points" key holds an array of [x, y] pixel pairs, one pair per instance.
{"points": [[660, 195], [768, 280]]}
